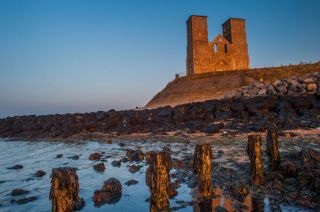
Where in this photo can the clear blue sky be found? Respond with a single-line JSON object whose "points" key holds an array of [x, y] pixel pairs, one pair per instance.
{"points": [[64, 56]]}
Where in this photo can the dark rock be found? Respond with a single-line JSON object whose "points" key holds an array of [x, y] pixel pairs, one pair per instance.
{"points": [[116, 163], [310, 157], [135, 155], [133, 168], [18, 166], [110, 192], [40, 173], [75, 157], [95, 156], [213, 128], [25, 200], [131, 182], [240, 191], [19, 191], [99, 167], [289, 169], [121, 144], [59, 156]]}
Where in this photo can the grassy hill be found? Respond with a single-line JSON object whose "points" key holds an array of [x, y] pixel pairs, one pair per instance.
{"points": [[214, 85]]}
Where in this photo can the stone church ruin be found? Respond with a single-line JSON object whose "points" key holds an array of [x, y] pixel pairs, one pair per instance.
{"points": [[228, 51]]}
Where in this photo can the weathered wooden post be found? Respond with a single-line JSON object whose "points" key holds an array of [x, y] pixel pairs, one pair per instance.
{"points": [[273, 149], [64, 190], [202, 167], [256, 160], [157, 178]]}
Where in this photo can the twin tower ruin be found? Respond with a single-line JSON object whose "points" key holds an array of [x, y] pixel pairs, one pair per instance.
{"points": [[228, 51]]}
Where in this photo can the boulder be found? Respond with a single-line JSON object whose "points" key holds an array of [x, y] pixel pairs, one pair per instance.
{"points": [[135, 155], [95, 156], [17, 166], [40, 173], [131, 182], [99, 167], [110, 192], [116, 163], [289, 169], [133, 168], [19, 191]]}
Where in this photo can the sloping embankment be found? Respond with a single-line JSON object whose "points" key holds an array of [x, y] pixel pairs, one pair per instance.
{"points": [[215, 85]]}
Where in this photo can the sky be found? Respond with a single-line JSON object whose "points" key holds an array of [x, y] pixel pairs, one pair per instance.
{"points": [[66, 56]]}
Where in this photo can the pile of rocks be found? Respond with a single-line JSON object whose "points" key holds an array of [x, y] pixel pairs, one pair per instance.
{"points": [[293, 86], [292, 103]]}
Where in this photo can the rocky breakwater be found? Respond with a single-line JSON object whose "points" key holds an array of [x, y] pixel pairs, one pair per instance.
{"points": [[293, 86], [243, 114]]}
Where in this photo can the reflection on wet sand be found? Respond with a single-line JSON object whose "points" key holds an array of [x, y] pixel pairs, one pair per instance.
{"points": [[219, 202]]}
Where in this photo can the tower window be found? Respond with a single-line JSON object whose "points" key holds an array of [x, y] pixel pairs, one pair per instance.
{"points": [[225, 48], [215, 47]]}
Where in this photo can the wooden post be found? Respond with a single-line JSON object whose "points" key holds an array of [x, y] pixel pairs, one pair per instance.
{"points": [[64, 190], [202, 167], [273, 149], [158, 179], [256, 160]]}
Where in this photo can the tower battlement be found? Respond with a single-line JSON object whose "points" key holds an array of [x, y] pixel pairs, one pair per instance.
{"points": [[227, 51]]}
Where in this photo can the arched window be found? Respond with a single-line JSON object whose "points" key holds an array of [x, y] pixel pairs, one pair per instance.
{"points": [[225, 48], [215, 47]]}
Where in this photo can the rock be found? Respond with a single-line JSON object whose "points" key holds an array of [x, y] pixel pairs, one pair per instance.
{"points": [[95, 156], [25, 200], [220, 209], [172, 192], [64, 190], [18, 166], [256, 160], [99, 167], [131, 182], [135, 155], [308, 81], [213, 128], [59, 156], [75, 157], [40, 173], [240, 191], [202, 167], [310, 157], [19, 191], [289, 169], [121, 144], [124, 160], [312, 87], [133, 168], [110, 192], [116, 163]]}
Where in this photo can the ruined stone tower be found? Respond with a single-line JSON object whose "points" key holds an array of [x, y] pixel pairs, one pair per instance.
{"points": [[226, 52]]}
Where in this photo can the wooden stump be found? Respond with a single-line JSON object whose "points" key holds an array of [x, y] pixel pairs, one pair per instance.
{"points": [[256, 160], [273, 150], [64, 190], [158, 179], [202, 167]]}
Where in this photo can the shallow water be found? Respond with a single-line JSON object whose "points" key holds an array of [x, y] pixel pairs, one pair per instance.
{"points": [[38, 155]]}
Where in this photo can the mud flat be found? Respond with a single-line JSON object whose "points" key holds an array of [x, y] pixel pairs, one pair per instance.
{"points": [[293, 188]]}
